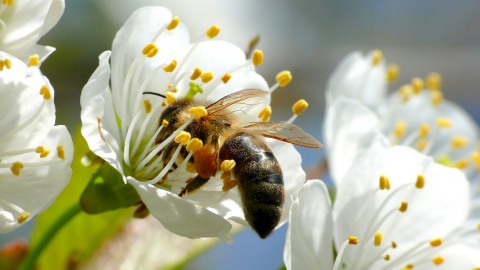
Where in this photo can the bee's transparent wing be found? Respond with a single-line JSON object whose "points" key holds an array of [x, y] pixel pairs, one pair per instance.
{"points": [[286, 132], [238, 98]]}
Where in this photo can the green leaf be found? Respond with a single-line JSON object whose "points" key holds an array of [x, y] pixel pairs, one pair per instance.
{"points": [[78, 240]]}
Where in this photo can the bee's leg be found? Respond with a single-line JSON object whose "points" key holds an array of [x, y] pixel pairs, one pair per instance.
{"points": [[193, 184], [228, 183]]}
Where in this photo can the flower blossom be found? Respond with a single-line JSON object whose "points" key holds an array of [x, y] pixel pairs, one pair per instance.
{"points": [[417, 115], [394, 209], [152, 53], [35, 155], [24, 22]]}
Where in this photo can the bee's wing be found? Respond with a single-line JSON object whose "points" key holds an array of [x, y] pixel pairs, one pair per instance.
{"points": [[286, 132], [236, 98]]}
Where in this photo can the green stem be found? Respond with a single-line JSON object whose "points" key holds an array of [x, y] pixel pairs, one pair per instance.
{"points": [[29, 262]]}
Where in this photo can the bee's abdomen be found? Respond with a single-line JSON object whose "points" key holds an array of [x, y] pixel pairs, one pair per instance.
{"points": [[260, 180]]}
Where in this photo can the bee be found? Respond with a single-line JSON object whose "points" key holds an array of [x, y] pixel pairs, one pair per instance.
{"points": [[257, 173]]}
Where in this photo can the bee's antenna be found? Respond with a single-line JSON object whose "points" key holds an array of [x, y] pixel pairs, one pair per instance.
{"points": [[153, 93]]}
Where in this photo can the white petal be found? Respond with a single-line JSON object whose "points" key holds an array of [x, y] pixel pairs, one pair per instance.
{"points": [[181, 216], [37, 186], [460, 256], [309, 236], [349, 126], [97, 105]]}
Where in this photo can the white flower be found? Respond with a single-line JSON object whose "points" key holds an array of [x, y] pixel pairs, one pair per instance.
{"points": [[35, 155], [394, 209], [24, 22], [416, 116], [152, 52]]}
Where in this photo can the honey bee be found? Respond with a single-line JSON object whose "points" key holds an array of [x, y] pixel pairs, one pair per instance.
{"points": [[257, 172]]}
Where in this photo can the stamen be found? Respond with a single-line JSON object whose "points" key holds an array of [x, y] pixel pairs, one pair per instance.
{"points": [[228, 165], [436, 242], [61, 152], [434, 81], [377, 240], [8, 63], [170, 97], [194, 145], [392, 72], [45, 92], [417, 84], [403, 207], [438, 260], [436, 97], [206, 77], [213, 31], [458, 142], [283, 78], [420, 184], [387, 257], [8, 2], [23, 217], [42, 151], [299, 106], [394, 245], [16, 167], [196, 73], [174, 23], [226, 77], [183, 137], [461, 164], [423, 130], [384, 183], [147, 105], [443, 122], [170, 67], [257, 58], [377, 57], [150, 50], [409, 266], [400, 129], [422, 144], [2, 65], [405, 92], [165, 123], [265, 114], [475, 157], [34, 60], [352, 240], [198, 112]]}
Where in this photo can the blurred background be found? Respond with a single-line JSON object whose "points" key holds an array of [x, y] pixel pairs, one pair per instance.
{"points": [[308, 37]]}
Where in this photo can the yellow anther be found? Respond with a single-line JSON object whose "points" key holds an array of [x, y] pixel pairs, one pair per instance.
{"points": [[170, 67], [170, 97], [386, 257], [16, 167], [400, 129], [417, 85], [226, 77], [34, 60], [420, 181], [164, 104], [9, 2], [228, 165], [42, 151], [394, 245], [165, 123], [475, 157], [150, 50], [8, 63], [384, 183], [194, 145], [299, 106], [23, 217], [478, 227], [377, 240], [183, 137], [436, 242], [196, 73], [408, 267], [434, 81], [213, 31], [443, 122], [458, 142], [423, 130], [198, 112], [191, 167], [436, 97], [257, 58], [392, 72], [61, 152], [438, 260], [45, 92], [2, 65], [206, 77], [405, 92], [403, 207], [377, 57], [353, 240], [169, 86], [283, 78], [422, 144], [174, 23], [147, 105], [265, 114], [461, 164], [175, 90]]}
